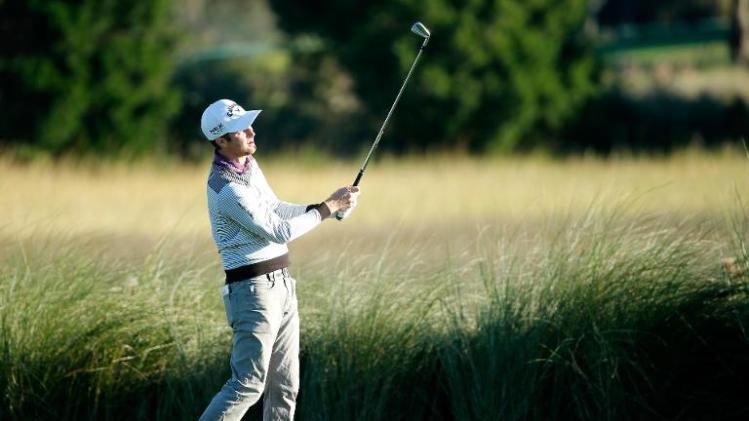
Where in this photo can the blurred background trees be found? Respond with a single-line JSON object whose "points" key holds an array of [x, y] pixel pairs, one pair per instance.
{"points": [[740, 31], [109, 77], [669, 78], [496, 76], [90, 75]]}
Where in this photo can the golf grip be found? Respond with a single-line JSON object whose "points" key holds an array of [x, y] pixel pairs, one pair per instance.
{"points": [[358, 178]]}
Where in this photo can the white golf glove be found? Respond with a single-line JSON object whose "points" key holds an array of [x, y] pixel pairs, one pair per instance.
{"points": [[343, 214]]}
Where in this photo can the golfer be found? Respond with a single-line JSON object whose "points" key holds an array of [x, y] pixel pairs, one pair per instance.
{"points": [[251, 227]]}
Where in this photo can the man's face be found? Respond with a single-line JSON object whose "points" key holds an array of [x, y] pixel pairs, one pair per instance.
{"points": [[240, 144]]}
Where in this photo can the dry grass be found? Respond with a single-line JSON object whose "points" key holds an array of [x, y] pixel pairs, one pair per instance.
{"points": [[150, 200], [437, 206]]}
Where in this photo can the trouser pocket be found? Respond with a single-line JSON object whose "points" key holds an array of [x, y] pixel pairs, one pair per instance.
{"points": [[243, 299], [227, 305]]}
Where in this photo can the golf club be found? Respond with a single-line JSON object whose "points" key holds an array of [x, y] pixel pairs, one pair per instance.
{"points": [[419, 29]]}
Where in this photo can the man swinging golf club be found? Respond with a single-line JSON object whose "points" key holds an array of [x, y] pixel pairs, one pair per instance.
{"points": [[251, 227]]}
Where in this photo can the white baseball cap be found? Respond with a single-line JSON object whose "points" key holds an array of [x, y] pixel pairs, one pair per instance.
{"points": [[225, 116]]}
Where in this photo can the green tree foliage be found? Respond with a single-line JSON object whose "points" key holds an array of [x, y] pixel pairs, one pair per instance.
{"points": [[497, 75], [305, 97], [86, 75]]}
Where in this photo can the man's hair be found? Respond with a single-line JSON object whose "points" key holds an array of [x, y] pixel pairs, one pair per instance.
{"points": [[225, 137]]}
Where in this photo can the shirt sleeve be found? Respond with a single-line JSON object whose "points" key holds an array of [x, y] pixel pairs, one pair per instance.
{"points": [[259, 216], [286, 210]]}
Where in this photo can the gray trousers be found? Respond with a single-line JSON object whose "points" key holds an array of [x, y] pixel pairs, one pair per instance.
{"points": [[262, 312]]}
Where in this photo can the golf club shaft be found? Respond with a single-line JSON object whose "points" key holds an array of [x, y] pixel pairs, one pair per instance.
{"points": [[384, 124], [420, 30]]}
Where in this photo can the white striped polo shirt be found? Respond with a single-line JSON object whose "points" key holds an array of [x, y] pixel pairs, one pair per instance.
{"points": [[248, 222]]}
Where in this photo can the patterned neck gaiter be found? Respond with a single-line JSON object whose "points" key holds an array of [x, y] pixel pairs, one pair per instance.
{"points": [[238, 167]]}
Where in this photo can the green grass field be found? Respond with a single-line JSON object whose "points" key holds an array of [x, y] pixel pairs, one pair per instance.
{"points": [[459, 289]]}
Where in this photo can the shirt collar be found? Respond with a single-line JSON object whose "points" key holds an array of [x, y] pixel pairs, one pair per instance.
{"points": [[238, 167]]}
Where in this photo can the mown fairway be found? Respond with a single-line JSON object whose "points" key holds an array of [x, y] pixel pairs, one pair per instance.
{"points": [[459, 289]]}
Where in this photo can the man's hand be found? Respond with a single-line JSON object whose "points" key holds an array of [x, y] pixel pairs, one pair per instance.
{"points": [[342, 199], [344, 213]]}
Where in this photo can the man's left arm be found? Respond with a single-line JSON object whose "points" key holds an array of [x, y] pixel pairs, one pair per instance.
{"points": [[285, 210]]}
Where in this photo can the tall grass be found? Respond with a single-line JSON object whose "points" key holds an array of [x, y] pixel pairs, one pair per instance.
{"points": [[603, 319], [558, 310], [82, 339], [601, 327]]}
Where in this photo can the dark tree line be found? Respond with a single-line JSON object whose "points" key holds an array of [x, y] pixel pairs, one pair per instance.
{"points": [[496, 76], [101, 76], [89, 75]]}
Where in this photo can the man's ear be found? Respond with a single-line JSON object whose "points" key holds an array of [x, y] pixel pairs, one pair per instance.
{"points": [[221, 141]]}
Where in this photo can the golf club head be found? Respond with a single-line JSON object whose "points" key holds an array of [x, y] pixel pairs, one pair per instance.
{"points": [[419, 29]]}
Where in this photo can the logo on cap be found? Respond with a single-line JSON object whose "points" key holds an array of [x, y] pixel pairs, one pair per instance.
{"points": [[216, 130], [232, 108]]}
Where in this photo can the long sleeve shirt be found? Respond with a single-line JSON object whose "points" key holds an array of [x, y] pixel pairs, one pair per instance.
{"points": [[248, 222]]}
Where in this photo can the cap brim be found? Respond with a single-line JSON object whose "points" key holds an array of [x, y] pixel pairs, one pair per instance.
{"points": [[243, 122]]}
